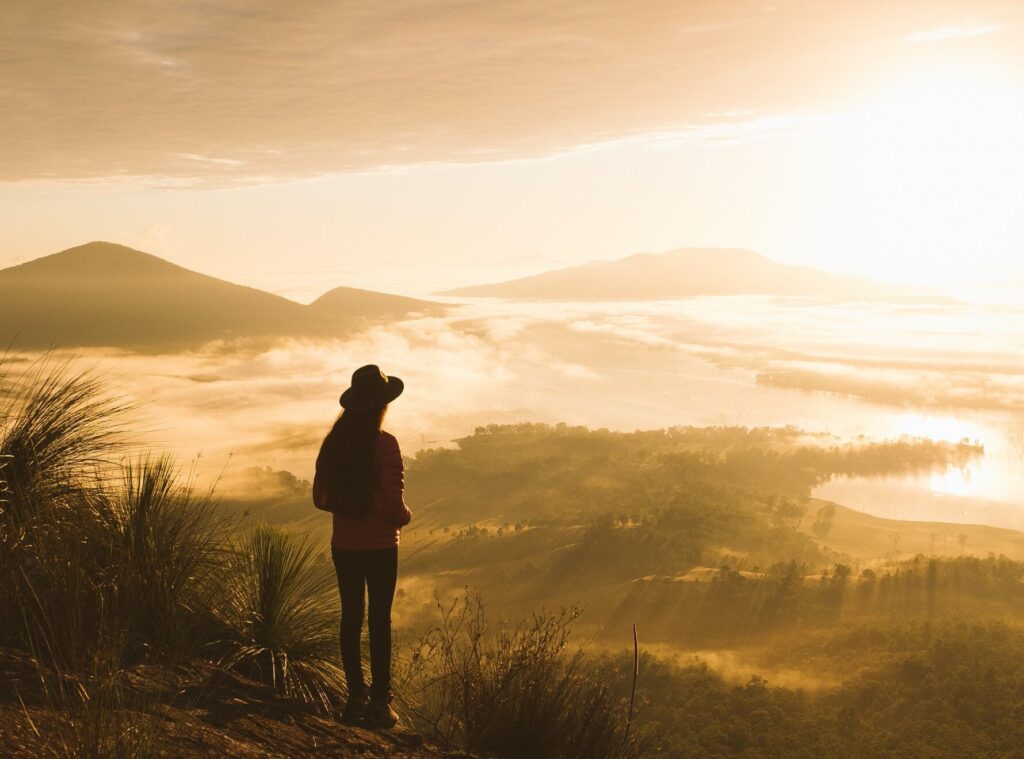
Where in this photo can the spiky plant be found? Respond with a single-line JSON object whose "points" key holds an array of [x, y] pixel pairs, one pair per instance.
{"points": [[60, 429], [282, 608], [92, 574], [165, 542]]}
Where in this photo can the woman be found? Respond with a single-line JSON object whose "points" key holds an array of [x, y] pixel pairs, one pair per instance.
{"points": [[359, 480]]}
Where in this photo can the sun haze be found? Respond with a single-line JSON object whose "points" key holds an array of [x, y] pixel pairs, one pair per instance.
{"points": [[699, 321], [865, 138]]}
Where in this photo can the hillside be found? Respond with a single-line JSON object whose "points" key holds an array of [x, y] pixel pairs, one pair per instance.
{"points": [[639, 527], [561, 478], [864, 538], [102, 294], [196, 710], [681, 273]]}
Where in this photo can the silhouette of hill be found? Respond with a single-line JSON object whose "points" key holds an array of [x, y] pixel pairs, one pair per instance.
{"points": [[678, 274], [352, 303], [103, 294]]}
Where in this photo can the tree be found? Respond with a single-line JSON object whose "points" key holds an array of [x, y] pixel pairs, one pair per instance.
{"points": [[822, 524]]}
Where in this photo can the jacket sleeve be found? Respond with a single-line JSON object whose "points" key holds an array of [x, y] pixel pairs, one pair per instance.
{"points": [[393, 484]]}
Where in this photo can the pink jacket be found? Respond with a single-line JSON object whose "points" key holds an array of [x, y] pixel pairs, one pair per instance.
{"points": [[381, 528]]}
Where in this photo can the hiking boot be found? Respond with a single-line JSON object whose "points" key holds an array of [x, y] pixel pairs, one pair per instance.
{"points": [[355, 709], [380, 714]]}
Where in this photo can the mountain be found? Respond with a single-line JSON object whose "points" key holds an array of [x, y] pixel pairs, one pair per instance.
{"points": [[102, 294], [349, 302], [679, 274]]}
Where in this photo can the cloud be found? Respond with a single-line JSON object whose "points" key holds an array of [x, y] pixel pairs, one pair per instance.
{"points": [[951, 33], [620, 366], [205, 159], [964, 390], [185, 92]]}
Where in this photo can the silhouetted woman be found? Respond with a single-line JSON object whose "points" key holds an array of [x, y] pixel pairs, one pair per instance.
{"points": [[359, 480]]}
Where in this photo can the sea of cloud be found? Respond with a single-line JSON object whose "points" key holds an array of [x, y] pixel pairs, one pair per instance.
{"points": [[846, 369]]}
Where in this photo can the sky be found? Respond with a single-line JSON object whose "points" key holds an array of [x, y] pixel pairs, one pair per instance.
{"points": [[420, 145]]}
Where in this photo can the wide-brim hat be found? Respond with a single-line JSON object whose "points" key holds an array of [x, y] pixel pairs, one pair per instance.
{"points": [[371, 388]]}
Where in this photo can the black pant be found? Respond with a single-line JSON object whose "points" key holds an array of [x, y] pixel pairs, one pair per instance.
{"points": [[375, 571]]}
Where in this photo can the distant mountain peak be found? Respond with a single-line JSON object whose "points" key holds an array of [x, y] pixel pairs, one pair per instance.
{"points": [[344, 301], [98, 260], [679, 273], [99, 246], [105, 294], [101, 249]]}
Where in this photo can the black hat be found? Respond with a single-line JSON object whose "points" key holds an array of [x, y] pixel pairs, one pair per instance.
{"points": [[371, 388]]}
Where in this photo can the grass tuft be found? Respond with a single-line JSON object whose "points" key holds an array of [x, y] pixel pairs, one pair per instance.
{"points": [[166, 543], [282, 609]]}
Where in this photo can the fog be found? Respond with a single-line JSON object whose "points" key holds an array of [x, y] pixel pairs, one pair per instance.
{"points": [[941, 370], [801, 504]]}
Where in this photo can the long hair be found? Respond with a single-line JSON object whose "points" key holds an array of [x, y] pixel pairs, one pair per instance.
{"points": [[346, 460]]}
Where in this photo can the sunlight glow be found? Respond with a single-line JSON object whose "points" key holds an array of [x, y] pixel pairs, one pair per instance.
{"points": [[954, 481], [952, 32], [930, 173], [947, 428], [979, 478]]}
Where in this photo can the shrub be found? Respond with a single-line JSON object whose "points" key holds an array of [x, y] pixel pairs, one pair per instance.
{"points": [[282, 610], [58, 430], [166, 554], [104, 564], [60, 433], [516, 692]]}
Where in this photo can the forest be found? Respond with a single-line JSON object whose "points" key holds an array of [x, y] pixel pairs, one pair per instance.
{"points": [[758, 639]]}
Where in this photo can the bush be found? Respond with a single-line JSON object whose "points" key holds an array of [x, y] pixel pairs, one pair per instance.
{"points": [[515, 692], [88, 565], [166, 557], [57, 432], [62, 597], [282, 610]]}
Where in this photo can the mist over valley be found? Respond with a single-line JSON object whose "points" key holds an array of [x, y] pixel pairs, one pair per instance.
{"points": [[728, 472]]}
